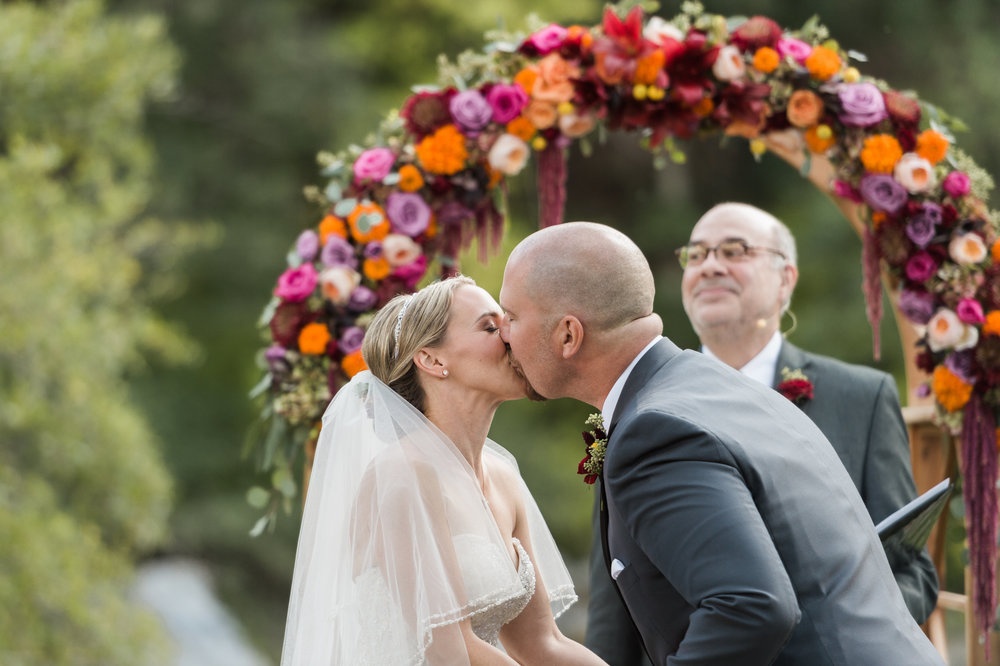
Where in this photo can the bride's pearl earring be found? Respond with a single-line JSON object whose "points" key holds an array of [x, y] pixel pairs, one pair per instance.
{"points": [[444, 372]]}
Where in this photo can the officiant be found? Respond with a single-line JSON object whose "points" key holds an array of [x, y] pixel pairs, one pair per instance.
{"points": [[739, 274]]}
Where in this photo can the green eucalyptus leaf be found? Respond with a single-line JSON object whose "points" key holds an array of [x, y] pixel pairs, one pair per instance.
{"points": [[344, 207], [258, 497], [333, 192], [259, 526], [261, 387]]}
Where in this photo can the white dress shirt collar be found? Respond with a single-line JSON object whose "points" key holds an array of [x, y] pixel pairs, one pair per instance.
{"points": [[762, 366], [608, 410]]}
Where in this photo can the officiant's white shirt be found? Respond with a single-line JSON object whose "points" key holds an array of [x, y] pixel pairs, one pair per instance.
{"points": [[762, 366], [608, 410]]}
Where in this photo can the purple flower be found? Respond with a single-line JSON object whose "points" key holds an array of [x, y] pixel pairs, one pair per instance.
{"points": [[362, 299], [922, 226], [956, 184], [351, 339], [453, 214], [923, 391], [548, 39], [862, 104], [338, 252], [408, 213], [506, 102], [881, 192], [970, 311], [307, 245], [373, 164], [921, 266], [961, 363], [297, 284], [471, 111], [277, 364], [916, 305], [373, 250]]}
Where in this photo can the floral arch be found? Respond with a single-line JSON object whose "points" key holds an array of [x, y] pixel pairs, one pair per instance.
{"points": [[403, 206]]}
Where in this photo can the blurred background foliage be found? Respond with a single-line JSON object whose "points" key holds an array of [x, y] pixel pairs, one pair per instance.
{"points": [[123, 122]]}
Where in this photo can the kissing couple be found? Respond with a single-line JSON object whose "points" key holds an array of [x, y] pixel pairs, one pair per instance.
{"points": [[731, 529]]}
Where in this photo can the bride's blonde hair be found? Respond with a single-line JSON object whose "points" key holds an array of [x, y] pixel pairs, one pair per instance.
{"points": [[402, 327]]}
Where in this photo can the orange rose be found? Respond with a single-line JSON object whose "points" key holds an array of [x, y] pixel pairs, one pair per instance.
{"points": [[410, 178], [353, 363], [766, 59], [823, 63], [526, 78], [932, 146], [816, 141], [368, 222], [313, 339], [522, 128], [375, 269], [805, 108], [541, 114], [880, 153], [331, 225]]}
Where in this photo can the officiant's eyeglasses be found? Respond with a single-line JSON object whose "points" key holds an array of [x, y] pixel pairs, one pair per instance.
{"points": [[731, 250]]}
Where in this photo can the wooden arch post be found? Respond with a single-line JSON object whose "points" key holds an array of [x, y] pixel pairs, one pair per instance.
{"points": [[933, 451]]}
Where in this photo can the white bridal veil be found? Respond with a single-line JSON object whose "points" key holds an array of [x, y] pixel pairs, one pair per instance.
{"points": [[397, 542]]}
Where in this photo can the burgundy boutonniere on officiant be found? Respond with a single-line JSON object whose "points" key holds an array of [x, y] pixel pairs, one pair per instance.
{"points": [[597, 443], [795, 386]]}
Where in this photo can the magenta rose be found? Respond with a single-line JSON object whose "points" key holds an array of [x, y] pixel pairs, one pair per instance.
{"points": [[921, 266], [548, 39], [411, 273], [970, 311], [506, 102], [922, 226], [338, 252], [307, 245], [956, 184], [862, 104], [471, 111], [351, 339], [297, 284], [408, 213], [796, 48], [881, 192], [844, 190], [362, 299], [916, 305], [374, 164]]}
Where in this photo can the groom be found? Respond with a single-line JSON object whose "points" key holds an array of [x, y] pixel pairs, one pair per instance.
{"points": [[732, 531]]}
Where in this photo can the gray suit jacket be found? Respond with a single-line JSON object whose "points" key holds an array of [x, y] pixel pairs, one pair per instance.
{"points": [[857, 409], [742, 537]]}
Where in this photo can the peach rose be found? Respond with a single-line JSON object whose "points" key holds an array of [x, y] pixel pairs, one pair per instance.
{"points": [[400, 250], [729, 64], [805, 108], [967, 249], [542, 115], [575, 125], [509, 154], [338, 282], [946, 331], [554, 83], [914, 173]]}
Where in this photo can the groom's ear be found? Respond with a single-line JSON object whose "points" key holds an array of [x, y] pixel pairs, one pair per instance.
{"points": [[569, 336]]}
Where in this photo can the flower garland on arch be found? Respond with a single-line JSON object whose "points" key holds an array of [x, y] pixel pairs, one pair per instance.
{"points": [[432, 180]]}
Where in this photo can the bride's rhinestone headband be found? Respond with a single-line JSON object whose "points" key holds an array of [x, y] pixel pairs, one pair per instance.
{"points": [[399, 322]]}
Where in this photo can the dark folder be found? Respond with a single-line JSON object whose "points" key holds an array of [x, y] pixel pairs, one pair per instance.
{"points": [[909, 527]]}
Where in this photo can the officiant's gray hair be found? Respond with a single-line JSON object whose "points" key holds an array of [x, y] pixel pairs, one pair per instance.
{"points": [[402, 327]]}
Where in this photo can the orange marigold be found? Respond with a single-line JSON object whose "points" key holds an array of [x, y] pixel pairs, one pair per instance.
{"points": [[375, 269], [410, 178], [526, 78], [816, 143], [995, 251], [932, 146], [880, 153], [704, 107], [522, 128], [313, 338], [823, 63], [363, 228], [992, 324], [353, 363], [648, 67], [331, 225], [766, 59], [443, 152], [878, 217], [432, 227], [949, 389]]}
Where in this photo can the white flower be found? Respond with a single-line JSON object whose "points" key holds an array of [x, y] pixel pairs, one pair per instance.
{"points": [[400, 250], [576, 125], [509, 154], [970, 336], [914, 173], [967, 249], [338, 282], [657, 29], [729, 64], [944, 330]]}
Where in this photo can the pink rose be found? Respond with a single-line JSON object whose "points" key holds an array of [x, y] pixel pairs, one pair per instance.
{"points": [[374, 164], [506, 102], [296, 284], [548, 39], [956, 184], [970, 311], [796, 48]]}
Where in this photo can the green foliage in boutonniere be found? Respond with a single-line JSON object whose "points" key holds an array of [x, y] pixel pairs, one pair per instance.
{"points": [[596, 440], [795, 386]]}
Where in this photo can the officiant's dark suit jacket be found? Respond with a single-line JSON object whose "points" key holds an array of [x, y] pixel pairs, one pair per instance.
{"points": [[738, 533]]}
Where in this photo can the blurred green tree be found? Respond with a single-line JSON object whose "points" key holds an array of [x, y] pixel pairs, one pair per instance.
{"points": [[83, 489]]}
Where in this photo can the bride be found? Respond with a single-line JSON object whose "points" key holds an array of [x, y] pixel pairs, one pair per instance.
{"points": [[420, 543]]}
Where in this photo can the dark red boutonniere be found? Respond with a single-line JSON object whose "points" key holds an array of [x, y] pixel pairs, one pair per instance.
{"points": [[597, 443], [795, 386]]}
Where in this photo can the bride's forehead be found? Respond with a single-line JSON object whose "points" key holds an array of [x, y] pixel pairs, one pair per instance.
{"points": [[473, 298]]}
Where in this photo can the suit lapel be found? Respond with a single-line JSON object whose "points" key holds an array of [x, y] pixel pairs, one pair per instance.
{"points": [[658, 354], [790, 357]]}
